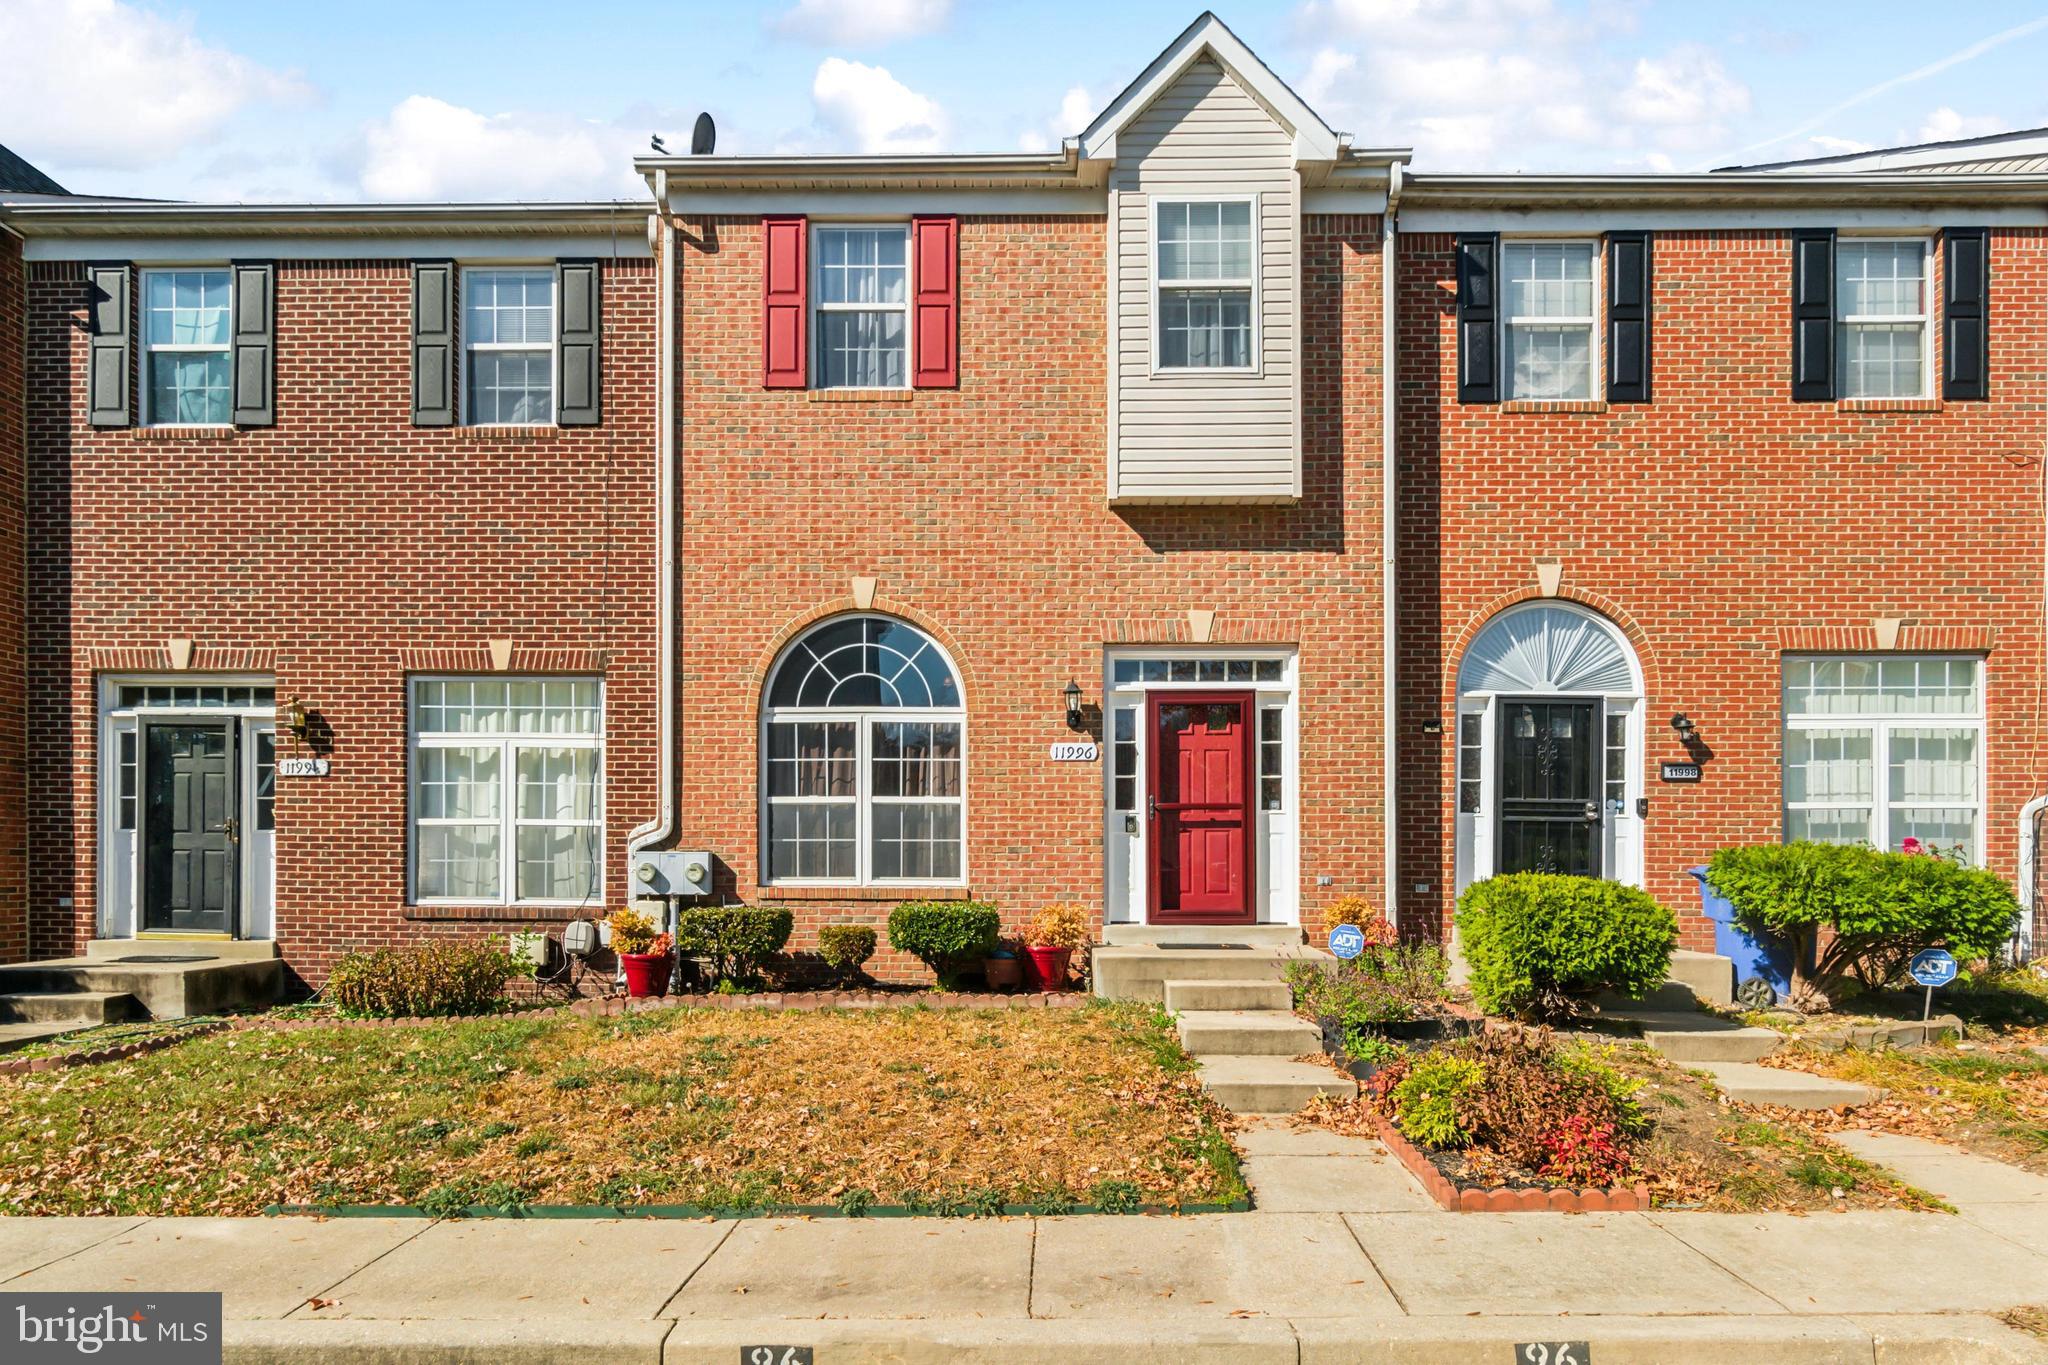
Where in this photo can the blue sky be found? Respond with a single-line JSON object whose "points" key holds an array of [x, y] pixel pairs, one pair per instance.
{"points": [[257, 99]]}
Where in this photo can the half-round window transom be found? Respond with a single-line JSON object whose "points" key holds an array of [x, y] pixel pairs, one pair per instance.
{"points": [[1548, 649], [864, 662]]}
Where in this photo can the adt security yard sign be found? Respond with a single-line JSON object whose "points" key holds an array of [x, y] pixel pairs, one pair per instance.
{"points": [[1347, 941], [1932, 967]]}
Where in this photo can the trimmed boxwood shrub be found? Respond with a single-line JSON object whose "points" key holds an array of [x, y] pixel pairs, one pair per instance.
{"points": [[735, 940], [1878, 910], [945, 935], [1540, 945], [427, 979], [845, 947]]}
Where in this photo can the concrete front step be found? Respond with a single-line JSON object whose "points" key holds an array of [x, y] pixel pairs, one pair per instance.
{"points": [[1694, 979], [1228, 995], [1270, 1085], [165, 990], [1691, 1037], [1203, 935], [1140, 972], [1247, 1033], [1753, 1084], [201, 945], [72, 1009]]}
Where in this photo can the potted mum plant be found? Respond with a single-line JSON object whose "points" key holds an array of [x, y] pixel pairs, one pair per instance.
{"points": [[1055, 932], [646, 955]]}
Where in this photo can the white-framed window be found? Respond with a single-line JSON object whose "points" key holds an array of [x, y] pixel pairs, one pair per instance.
{"points": [[1206, 275], [864, 759], [507, 790], [1881, 318], [187, 320], [1878, 751], [861, 285], [1549, 337], [508, 339]]}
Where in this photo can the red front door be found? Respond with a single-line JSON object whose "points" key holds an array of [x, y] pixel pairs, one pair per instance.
{"points": [[1201, 807]]}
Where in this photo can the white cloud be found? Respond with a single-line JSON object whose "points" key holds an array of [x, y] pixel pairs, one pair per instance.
{"points": [[1687, 86], [863, 23], [1077, 111], [869, 110], [1837, 146], [1326, 70], [98, 83], [1946, 125], [429, 149]]}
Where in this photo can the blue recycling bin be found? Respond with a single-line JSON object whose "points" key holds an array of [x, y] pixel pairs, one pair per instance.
{"points": [[1763, 966]]}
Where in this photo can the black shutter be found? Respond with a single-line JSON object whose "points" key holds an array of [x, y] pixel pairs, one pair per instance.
{"points": [[1628, 317], [1965, 313], [1813, 316], [255, 350], [579, 360], [110, 367], [1478, 334], [433, 343]]}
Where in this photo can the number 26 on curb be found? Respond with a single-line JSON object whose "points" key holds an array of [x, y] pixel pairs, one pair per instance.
{"points": [[1553, 1353], [775, 1355]]}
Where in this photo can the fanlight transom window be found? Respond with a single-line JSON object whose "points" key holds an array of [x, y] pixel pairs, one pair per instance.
{"points": [[864, 661], [1548, 649]]}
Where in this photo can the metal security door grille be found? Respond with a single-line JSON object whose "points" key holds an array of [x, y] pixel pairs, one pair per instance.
{"points": [[190, 827], [1550, 787]]}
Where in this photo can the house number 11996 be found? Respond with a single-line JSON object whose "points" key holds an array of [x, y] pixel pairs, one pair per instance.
{"points": [[1075, 751]]}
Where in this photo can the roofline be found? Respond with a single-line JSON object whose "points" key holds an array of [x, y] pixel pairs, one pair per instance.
{"points": [[147, 219], [1720, 189], [1836, 158]]}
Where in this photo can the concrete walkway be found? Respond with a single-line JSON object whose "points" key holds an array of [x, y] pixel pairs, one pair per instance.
{"points": [[1344, 1261]]}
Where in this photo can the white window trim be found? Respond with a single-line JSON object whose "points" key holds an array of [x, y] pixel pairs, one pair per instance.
{"points": [[863, 799], [1880, 725], [1596, 357], [465, 384], [1924, 319], [815, 296], [509, 819], [226, 348], [1156, 286]]}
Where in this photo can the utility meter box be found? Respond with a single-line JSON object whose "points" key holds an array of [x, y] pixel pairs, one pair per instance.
{"points": [[671, 873]]}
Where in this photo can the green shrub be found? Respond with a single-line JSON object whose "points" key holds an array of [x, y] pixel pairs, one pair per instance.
{"points": [[945, 935], [1540, 945], [427, 979], [1427, 1099], [1878, 910], [845, 947], [735, 940]]}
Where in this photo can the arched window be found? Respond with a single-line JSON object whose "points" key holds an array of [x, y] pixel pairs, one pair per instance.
{"points": [[864, 758], [1547, 648]]}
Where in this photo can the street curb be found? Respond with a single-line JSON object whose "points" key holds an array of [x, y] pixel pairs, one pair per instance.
{"points": [[703, 1213], [1472, 1199]]}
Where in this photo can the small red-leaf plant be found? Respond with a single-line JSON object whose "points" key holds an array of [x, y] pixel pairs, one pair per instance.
{"points": [[1584, 1151]]}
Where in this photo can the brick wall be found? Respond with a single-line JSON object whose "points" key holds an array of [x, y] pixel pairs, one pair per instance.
{"points": [[1722, 525], [13, 727], [340, 550], [983, 515]]}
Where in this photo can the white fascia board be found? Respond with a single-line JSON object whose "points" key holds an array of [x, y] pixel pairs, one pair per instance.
{"points": [[630, 244], [1417, 218], [1344, 199], [1314, 140]]}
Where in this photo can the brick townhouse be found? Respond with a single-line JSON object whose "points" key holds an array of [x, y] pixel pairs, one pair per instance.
{"points": [[1019, 526]]}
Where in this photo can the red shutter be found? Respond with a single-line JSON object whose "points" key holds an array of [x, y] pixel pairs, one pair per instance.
{"points": [[935, 311], [783, 244]]}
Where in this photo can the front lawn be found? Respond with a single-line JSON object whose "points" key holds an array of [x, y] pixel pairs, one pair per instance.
{"points": [[943, 1110]]}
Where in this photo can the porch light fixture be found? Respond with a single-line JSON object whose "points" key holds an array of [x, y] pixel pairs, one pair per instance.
{"points": [[1072, 692], [1687, 731], [295, 718]]}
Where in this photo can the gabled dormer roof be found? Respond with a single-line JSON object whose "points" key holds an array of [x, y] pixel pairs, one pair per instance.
{"points": [[1208, 36]]}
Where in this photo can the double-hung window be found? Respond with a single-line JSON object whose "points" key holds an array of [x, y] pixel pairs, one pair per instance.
{"points": [[1878, 751], [508, 333], [1881, 318], [507, 799], [863, 308], [185, 329], [1206, 272], [1547, 321]]}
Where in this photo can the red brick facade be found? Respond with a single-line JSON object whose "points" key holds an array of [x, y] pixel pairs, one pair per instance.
{"points": [[13, 605]]}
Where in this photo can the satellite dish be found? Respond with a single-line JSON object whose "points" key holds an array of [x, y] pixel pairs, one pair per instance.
{"points": [[704, 136]]}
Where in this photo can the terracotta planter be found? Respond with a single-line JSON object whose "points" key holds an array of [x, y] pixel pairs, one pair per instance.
{"points": [[1048, 966], [647, 973], [1003, 973]]}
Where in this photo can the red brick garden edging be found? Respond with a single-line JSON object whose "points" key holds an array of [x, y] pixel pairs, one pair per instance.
{"points": [[60, 1061], [836, 1000], [1471, 1199]]}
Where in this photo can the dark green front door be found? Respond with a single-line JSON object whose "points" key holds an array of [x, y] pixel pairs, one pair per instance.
{"points": [[189, 841]]}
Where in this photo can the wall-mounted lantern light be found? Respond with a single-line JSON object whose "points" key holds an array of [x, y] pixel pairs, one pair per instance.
{"points": [[1688, 732], [1072, 692], [295, 718]]}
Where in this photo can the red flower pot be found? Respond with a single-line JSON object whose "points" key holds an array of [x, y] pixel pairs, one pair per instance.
{"points": [[1048, 966], [646, 973]]}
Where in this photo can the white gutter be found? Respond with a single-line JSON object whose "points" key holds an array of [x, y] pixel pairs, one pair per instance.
{"points": [[661, 828], [1389, 547]]}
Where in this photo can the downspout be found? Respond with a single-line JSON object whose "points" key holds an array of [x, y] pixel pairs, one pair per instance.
{"points": [[660, 829], [1389, 546], [2022, 947]]}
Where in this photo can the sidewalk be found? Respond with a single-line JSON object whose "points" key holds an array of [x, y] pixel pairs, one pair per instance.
{"points": [[1373, 1274]]}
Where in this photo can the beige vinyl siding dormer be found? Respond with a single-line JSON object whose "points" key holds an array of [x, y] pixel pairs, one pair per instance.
{"points": [[1211, 436]]}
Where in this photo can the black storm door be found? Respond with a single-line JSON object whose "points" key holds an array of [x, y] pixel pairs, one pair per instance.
{"points": [[189, 838], [1549, 787]]}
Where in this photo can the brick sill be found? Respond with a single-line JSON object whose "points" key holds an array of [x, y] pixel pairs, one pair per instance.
{"points": [[1591, 406], [769, 895], [503, 914], [858, 395], [183, 435], [1888, 405]]}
